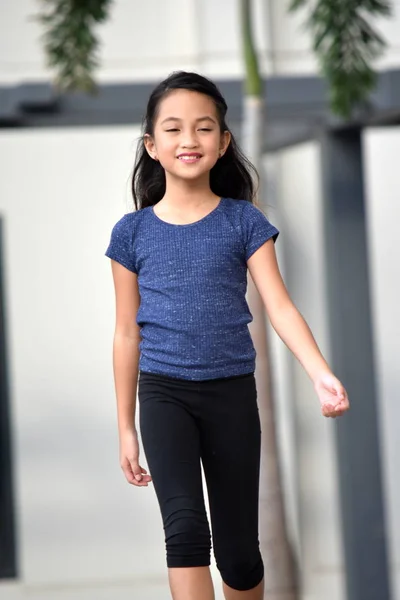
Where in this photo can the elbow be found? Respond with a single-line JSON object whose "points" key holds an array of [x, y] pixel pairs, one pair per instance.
{"points": [[127, 333], [281, 313]]}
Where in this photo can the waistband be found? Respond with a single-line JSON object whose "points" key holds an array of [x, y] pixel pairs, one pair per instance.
{"points": [[162, 377]]}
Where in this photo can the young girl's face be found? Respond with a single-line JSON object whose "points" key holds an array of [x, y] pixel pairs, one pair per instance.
{"points": [[187, 137]]}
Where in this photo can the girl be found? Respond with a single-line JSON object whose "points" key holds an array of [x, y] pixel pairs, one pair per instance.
{"points": [[179, 265]]}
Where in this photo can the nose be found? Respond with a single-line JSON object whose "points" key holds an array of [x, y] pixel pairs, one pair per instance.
{"points": [[189, 140]]}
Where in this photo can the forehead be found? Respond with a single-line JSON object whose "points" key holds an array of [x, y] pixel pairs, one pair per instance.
{"points": [[185, 104]]}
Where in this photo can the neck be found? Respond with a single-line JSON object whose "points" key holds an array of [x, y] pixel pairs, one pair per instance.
{"points": [[179, 192]]}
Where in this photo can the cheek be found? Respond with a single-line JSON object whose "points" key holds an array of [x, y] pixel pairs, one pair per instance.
{"points": [[213, 143], [165, 146]]}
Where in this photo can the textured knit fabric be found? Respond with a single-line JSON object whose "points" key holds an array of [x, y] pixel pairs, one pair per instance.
{"points": [[192, 280]]}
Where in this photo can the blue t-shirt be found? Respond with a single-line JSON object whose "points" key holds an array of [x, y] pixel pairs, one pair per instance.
{"points": [[192, 279]]}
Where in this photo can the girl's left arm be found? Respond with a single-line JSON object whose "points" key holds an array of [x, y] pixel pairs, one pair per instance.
{"points": [[294, 331]]}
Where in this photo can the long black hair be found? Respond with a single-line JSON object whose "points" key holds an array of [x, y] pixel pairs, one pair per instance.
{"points": [[231, 176]]}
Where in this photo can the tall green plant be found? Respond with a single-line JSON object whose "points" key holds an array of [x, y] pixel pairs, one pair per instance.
{"points": [[346, 46], [70, 43], [253, 81]]}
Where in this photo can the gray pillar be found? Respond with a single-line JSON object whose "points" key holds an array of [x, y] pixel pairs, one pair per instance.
{"points": [[7, 530], [357, 434]]}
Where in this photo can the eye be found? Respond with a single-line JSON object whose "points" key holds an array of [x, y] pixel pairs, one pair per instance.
{"points": [[171, 130], [205, 129]]}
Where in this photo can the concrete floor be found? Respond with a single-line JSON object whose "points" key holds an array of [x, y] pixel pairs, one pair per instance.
{"points": [[118, 590]]}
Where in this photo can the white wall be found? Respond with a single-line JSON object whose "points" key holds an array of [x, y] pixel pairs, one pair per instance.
{"points": [[61, 191], [382, 149], [147, 40]]}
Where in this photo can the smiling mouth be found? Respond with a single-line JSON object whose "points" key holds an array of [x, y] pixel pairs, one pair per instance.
{"points": [[189, 158]]}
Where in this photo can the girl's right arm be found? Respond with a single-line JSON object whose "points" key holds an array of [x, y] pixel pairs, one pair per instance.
{"points": [[126, 369]]}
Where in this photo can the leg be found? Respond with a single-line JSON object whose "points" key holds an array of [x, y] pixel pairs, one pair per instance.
{"points": [[191, 583], [231, 445], [171, 444], [256, 593]]}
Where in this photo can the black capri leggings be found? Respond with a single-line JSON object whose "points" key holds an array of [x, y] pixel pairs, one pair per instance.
{"points": [[215, 421]]}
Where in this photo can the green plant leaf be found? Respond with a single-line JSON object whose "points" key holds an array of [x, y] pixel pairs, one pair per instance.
{"points": [[70, 44], [346, 45]]}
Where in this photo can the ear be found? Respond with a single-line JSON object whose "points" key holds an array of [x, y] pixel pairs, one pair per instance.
{"points": [[150, 146], [224, 143]]}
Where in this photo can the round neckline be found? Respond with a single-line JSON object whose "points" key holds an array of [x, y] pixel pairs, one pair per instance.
{"points": [[214, 210]]}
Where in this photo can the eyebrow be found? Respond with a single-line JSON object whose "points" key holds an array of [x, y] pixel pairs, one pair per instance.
{"points": [[207, 118]]}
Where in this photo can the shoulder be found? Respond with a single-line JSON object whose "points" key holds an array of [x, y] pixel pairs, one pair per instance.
{"points": [[128, 219], [254, 225], [245, 209], [127, 223], [122, 245]]}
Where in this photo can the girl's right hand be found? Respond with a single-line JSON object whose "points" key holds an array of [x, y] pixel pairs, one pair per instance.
{"points": [[129, 460]]}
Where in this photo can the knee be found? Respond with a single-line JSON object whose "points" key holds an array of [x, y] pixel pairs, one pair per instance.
{"points": [[187, 539], [241, 573]]}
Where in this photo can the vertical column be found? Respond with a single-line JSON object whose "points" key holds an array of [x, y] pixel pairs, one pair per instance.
{"points": [[7, 532], [357, 434]]}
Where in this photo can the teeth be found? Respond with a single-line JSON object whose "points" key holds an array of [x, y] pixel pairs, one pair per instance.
{"points": [[187, 157]]}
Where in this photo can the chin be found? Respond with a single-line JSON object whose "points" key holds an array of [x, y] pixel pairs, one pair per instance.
{"points": [[189, 172]]}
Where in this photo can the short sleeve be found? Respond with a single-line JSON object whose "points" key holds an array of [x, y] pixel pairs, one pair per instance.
{"points": [[256, 229], [121, 246]]}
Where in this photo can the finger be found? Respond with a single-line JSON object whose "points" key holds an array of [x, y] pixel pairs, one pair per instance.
{"points": [[136, 483], [145, 474], [142, 483], [126, 468], [331, 411], [139, 477], [342, 406], [329, 414], [136, 470], [337, 411], [145, 479], [327, 409]]}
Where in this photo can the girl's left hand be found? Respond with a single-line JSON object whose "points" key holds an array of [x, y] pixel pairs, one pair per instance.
{"points": [[332, 395]]}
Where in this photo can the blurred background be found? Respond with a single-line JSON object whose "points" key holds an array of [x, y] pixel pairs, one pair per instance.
{"points": [[70, 526]]}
